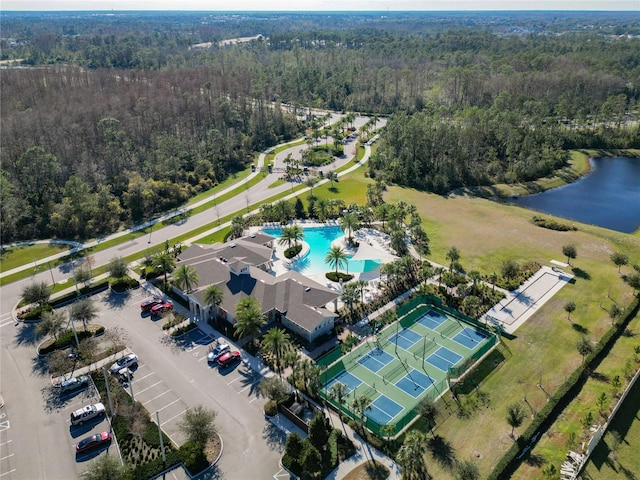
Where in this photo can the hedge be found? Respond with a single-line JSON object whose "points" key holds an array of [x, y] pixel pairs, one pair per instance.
{"points": [[292, 251], [67, 338], [183, 330], [35, 313], [69, 297], [562, 397], [123, 284], [337, 276]]}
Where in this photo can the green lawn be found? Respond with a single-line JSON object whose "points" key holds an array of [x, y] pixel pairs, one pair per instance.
{"points": [[16, 256], [607, 461], [486, 233]]}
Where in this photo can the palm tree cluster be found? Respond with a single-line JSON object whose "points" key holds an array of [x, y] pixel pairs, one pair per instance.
{"points": [[291, 235]]}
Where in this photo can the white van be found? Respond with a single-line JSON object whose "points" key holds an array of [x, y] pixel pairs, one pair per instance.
{"points": [[86, 413]]}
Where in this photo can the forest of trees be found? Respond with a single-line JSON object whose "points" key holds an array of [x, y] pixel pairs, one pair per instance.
{"points": [[112, 120]]}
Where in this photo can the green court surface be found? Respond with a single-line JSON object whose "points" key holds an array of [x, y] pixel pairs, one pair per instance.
{"points": [[407, 361]]}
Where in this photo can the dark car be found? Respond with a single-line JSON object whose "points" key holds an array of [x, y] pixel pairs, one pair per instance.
{"points": [[74, 384], [93, 441], [149, 303], [229, 358], [161, 307]]}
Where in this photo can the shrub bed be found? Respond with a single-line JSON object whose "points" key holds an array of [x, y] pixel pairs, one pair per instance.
{"points": [[337, 276], [183, 330], [67, 338], [552, 224], [292, 251], [101, 286], [176, 320], [123, 284], [34, 314]]}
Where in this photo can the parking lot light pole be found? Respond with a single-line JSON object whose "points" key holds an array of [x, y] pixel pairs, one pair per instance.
{"points": [[164, 456], [106, 383], [133, 400], [73, 327]]}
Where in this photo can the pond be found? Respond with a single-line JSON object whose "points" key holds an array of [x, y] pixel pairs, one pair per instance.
{"points": [[608, 197]]}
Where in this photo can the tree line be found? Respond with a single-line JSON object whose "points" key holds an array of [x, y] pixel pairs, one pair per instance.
{"points": [[118, 124]]}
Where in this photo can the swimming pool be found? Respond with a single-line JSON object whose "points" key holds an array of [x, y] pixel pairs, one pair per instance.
{"points": [[319, 240]]}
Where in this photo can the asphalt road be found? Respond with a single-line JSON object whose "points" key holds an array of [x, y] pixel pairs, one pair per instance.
{"points": [[35, 419]]}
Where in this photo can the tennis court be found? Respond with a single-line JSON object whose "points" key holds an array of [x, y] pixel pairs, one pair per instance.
{"points": [[376, 359], [412, 359], [444, 359], [405, 338], [414, 383], [469, 337], [432, 319], [382, 410]]}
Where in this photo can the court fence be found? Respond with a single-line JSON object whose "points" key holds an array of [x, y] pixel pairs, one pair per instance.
{"points": [[408, 314]]}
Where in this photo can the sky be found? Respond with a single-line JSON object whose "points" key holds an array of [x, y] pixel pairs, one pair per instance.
{"points": [[321, 5]]}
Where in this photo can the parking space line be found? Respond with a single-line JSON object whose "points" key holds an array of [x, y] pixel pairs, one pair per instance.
{"points": [[177, 400], [8, 441], [172, 418], [7, 473], [142, 378], [248, 386], [234, 380], [253, 399], [145, 389], [157, 396], [8, 456], [203, 358]]}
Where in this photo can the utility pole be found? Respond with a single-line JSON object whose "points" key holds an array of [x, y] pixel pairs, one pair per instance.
{"points": [[106, 383], [133, 400]]}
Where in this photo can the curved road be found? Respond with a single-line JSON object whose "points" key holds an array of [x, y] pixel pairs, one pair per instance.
{"points": [[22, 380]]}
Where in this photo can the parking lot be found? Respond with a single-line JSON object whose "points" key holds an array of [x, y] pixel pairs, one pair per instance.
{"points": [[6, 449]]}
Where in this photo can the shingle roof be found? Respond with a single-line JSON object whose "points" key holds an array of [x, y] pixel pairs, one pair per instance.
{"points": [[302, 299]]}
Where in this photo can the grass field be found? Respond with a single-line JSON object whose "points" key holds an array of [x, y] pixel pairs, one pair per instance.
{"points": [[607, 461], [568, 432], [14, 257]]}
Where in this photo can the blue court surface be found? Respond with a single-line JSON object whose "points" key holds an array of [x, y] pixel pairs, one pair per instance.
{"points": [[375, 360], [414, 383], [443, 358], [350, 381], [432, 319], [382, 410], [469, 337], [405, 338]]}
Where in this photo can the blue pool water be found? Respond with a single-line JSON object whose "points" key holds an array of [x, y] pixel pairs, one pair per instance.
{"points": [[319, 240]]}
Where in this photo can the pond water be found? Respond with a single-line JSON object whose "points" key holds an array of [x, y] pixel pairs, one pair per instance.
{"points": [[608, 197]]}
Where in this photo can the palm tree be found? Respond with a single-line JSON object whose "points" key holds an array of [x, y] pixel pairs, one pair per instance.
{"points": [[584, 347], [322, 209], [515, 416], [348, 223], [360, 405], [164, 263], [428, 409], [249, 317], [84, 310], [614, 312], [276, 342], [453, 255], [361, 286], [52, 323], [382, 213], [569, 307], [213, 296], [186, 277], [336, 258], [238, 225], [411, 456], [286, 237]]}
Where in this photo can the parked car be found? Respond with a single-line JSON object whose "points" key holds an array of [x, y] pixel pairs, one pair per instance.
{"points": [[86, 413], [149, 303], [124, 362], [161, 307], [74, 384], [214, 354], [229, 358], [93, 441]]}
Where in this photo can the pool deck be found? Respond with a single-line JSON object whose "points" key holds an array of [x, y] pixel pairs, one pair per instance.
{"points": [[374, 245]]}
